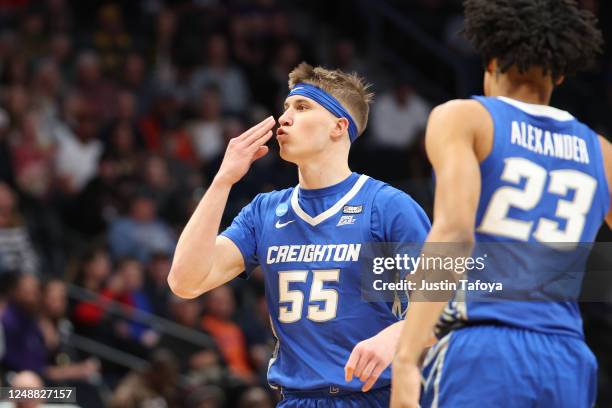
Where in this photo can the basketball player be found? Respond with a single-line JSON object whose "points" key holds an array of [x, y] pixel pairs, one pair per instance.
{"points": [[511, 169], [307, 240]]}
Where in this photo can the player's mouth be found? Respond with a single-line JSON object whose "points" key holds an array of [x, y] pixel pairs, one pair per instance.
{"points": [[281, 134]]}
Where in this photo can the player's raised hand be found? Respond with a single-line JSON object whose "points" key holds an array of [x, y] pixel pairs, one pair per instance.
{"points": [[405, 385], [369, 359], [243, 150]]}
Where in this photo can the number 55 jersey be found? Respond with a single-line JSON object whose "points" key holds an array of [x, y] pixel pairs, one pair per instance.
{"points": [[307, 243]]}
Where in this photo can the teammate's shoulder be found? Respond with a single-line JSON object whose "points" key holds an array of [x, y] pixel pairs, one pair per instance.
{"points": [[604, 141], [606, 148], [459, 109]]}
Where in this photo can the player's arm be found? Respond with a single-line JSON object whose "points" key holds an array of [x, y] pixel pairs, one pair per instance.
{"points": [[451, 137], [606, 150], [203, 260]]}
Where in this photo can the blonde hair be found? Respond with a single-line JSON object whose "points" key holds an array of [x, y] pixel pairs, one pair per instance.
{"points": [[349, 89]]}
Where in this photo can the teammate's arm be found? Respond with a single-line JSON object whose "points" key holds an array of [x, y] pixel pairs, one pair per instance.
{"points": [[451, 142], [203, 260], [606, 150]]}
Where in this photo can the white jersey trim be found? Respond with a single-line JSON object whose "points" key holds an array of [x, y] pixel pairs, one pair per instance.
{"points": [[332, 210], [538, 110]]}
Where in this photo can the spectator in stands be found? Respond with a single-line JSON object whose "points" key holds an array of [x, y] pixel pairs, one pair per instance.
{"points": [[126, 106], [123, 148], [206, 396], [163, 131], [134, 80], [17, 103], [16, 251], [156, 285], [287, 56], [206, 130], [63, 368], [345, 58], [6, 167], [255, 397], [219, 308], [24, 341], [167, 191], [59, 16], [192, 354], [165, 33], [141, 233], [93, 87], [255, 324], [110, 40], [126, 288], [33, 38], [399, 117], [89, 316], [78, 150], [219, 72], [100, 202], [16, 72], [153, 387], [32, 158], [46, 91], [60, 51]]}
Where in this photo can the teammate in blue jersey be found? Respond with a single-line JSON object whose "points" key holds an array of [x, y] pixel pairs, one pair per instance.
{"points": [[514, 171], [333, 348]]}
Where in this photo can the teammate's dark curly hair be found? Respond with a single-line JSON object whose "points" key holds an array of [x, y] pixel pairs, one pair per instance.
{"points": [[553, 34]]}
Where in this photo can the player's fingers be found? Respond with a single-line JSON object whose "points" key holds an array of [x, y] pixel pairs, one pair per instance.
{"points": [[259, 132], [349, 368], [365, 374], [260, 141], [266, 122], [372, 379], [261, 152], [366, 358]]}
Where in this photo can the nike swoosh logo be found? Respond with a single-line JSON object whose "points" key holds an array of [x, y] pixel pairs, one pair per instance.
{"points": [[283, 224]]}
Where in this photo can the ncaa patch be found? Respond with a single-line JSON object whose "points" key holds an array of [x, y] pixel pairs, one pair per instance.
{"points": [[352, 209], [282, 209]]}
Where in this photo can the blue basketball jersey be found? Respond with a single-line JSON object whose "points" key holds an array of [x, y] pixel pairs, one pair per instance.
{"points": [[543, 182], [307, 242]]}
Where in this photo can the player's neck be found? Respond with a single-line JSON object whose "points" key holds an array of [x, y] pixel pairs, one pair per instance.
{"points": [[529, 88], [527, 95], [314, 175]]}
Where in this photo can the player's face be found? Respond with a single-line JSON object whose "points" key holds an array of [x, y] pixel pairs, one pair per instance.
{"points": [[305, 129]]}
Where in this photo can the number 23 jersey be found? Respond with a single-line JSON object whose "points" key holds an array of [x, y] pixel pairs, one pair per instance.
{"points": [[543, 183]]}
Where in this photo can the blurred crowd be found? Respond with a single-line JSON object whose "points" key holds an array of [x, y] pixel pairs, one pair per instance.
{"points": [[114, 117]]}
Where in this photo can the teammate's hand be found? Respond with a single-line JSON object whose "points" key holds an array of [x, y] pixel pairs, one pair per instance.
{"points": [[369, 359], [244, 150], [405, 385]]}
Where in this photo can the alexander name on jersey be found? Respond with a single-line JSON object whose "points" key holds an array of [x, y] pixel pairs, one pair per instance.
{"points": [[546, 143], [313, 253]]}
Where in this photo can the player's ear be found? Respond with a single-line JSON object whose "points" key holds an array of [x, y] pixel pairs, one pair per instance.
{"points": [[559, 80], [491, 66], [340, 127]]}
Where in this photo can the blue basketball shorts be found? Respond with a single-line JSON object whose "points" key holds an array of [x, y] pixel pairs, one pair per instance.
{"points": [[500, 366], [377, 398]]}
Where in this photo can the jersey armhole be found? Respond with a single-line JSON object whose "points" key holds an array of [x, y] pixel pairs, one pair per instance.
{"points": [[370, 234], [486, 163]]}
